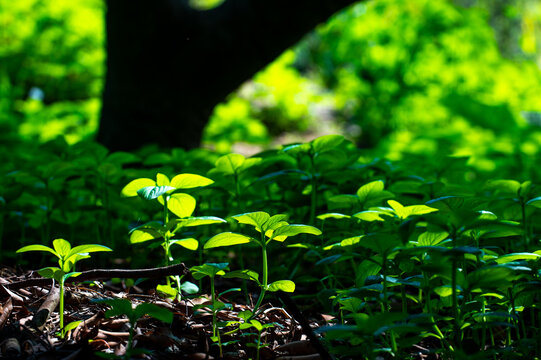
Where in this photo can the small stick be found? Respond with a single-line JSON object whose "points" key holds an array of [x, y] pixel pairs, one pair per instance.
{"points": [[48, 306], [100, 274]]}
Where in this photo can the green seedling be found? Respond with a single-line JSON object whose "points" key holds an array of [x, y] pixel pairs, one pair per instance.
{"points": [[211, 270], [273, 228], [248, 323], [180, 204], [67, 258], [123, 307]]}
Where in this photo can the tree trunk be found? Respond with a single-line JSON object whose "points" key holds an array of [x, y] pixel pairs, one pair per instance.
{"points": [[169, 65]]}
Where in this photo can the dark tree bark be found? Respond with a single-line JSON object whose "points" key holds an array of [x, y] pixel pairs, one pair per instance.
{"points": [[169, 65]]}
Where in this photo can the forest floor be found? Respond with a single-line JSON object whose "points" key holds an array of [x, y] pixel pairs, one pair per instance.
{"points": [[29, 323]]}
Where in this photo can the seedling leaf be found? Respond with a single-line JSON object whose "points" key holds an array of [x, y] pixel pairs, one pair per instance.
{"points": [[230, 164], [295, 229], [153, 192], [227, 239], [182, 205], [283, 285], [37, 248], [189, 181], [326, 142], [144, 234], [256, 219], [62, 247], [133, 186], [190, 243]]}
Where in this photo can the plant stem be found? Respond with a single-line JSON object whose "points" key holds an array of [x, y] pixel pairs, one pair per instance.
{"points": [[265, 276], [61, 308]]}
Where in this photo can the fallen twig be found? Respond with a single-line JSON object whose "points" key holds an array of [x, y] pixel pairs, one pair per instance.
{"points": [[100, 274]]}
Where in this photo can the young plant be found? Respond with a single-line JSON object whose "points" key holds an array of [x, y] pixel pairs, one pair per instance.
{"points": [[211, 270], [273, 228], [121, 307], [67, 258], [180, 204]]}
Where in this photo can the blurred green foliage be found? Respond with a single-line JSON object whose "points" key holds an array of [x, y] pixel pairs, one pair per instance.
{"points": [[410, 80], [52, 67]]}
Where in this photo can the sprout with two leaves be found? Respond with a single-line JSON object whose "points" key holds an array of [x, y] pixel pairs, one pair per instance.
{"points": [[67, 258]]}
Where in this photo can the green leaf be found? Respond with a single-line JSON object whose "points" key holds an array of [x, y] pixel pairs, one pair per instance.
{"points": [[517, 256], [153, 192], [37, 248], [444, 290], [369, 215], [510, 187], [326, 142], [404, 212], [256, 219], [135, 185], [200, 220], [283, 285], [62, 247], [227, 239], [81, 249], [144, 234], [182, 205], [274, 222], [49, 272], [189, 288], [333, 216], [68, 275], [162, 180], [243, 274], [190, 243], [71, 326], [118, 307], [257, 325], [342, 201], [535, 202], [167, 290], [429, 238], [189, 181], [351, 241], [154, 311], [230, 164], [373, 193], [295, 229], [208, 269]]}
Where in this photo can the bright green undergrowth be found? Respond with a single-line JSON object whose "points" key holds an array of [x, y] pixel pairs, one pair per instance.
{"points": [[401, 254]]}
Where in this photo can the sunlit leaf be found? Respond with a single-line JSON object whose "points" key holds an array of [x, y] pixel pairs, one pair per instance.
{"points": [[37, 248], [200, 220], [230, 164], [516, 256], [189, 243], [295, 229], [369, 215], [189, 181], [208, 269], [283, 285], [135, 185], [182, 205], [333, 216], [61, 246], [350, 241], [256, 219], [142, 235], [162, 180], [227, 239]]}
